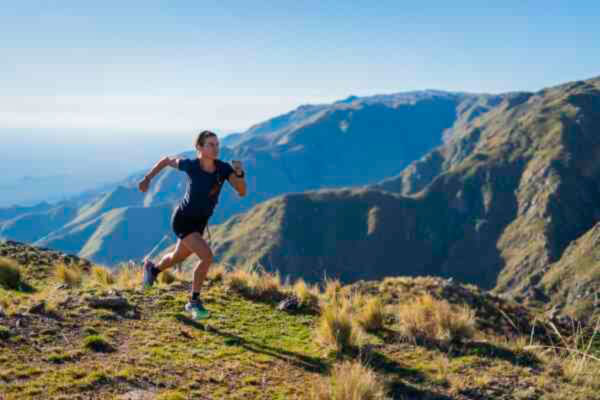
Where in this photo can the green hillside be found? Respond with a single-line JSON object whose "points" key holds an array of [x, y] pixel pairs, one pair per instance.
{"points": [[56, 342]]}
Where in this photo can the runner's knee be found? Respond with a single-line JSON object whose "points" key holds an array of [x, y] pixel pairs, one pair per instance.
{"points": [[205, 257]]}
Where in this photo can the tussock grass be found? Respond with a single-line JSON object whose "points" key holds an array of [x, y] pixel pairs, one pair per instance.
{"points": [[336, 329], [216, 272], [308, 295], [255, 285], [129, 276], [69, 275], [371, 315], [332, 290], [350, 380], [166, 277], [10, 274], [430, 319], [102, 275], [576, 356]]}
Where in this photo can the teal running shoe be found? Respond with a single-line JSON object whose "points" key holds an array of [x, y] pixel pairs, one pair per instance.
{"points": [[196, 308]]}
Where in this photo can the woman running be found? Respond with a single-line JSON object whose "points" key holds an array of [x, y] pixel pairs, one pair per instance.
{"points": [[206, 176]]}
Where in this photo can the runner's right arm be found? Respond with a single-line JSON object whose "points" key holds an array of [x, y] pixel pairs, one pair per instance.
{"points": [[165, 161]]}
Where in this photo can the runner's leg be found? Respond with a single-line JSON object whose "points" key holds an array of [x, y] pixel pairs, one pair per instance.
{"points": [[179, 254], [195, 243]]}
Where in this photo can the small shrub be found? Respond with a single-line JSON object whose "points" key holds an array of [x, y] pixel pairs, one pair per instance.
{"points": [[4, 333], [97, 343], [10, 274], [350, 381], [59, 358]]}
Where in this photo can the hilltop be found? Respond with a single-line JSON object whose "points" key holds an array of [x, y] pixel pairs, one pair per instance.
{"points": [[98, 336]]}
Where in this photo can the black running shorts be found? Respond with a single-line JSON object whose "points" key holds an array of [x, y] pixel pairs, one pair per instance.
{"points": [[183, 225]]}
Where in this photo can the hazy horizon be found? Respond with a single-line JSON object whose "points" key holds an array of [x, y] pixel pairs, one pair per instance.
{"points": [[81, 80]]}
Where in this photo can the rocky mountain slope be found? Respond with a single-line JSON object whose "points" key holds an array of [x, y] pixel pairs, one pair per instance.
{"points": [[510, 202]]}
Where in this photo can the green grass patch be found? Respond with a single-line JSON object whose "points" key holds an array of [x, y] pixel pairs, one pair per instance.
{"points": [[97, 343], [10, 275], [4, 333]]}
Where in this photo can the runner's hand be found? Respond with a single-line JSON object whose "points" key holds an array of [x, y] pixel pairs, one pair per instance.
{"points": [[237, 166]]}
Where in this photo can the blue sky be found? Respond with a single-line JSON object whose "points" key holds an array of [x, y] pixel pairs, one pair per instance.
{"points": [[179, 66], [94, 91]]}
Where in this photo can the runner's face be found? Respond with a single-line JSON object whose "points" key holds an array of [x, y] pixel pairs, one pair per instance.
{"points": [[210, 148]]}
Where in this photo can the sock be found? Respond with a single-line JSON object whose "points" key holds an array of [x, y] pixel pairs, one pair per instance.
{"points": [[155, 270], [195, 295]]}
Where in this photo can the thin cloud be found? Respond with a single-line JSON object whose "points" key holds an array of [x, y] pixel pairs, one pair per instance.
{"points": [[145, 113]]}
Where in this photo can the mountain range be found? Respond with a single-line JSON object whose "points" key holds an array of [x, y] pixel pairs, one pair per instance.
{"points": [[502, 191], [509, 202], [351, 142]]}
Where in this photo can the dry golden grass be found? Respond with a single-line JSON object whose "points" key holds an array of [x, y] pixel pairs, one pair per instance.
{"points": [[335, 328], [216, 272], [255, 285], [430, 319], [166, 277], [4, 303], [308, 295], [371, 315], [350, 381], [183, 275], [129, 276], [102, 275], [576, 356], [332, 289], [10, 274], [70, 276], [51, 298]]}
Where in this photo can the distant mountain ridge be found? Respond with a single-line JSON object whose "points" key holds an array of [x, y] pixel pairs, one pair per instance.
{"points": [[354, 141]]}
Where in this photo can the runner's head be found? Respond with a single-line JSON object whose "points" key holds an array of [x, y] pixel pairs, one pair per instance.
{"points": [[207, 145]]}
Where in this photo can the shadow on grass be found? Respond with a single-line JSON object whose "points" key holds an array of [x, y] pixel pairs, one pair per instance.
{"points": [[401, 390], [312, 364], [385, 365], [402, 380], [469, 348], [489, 350], [26, 288], [21, 286]]}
